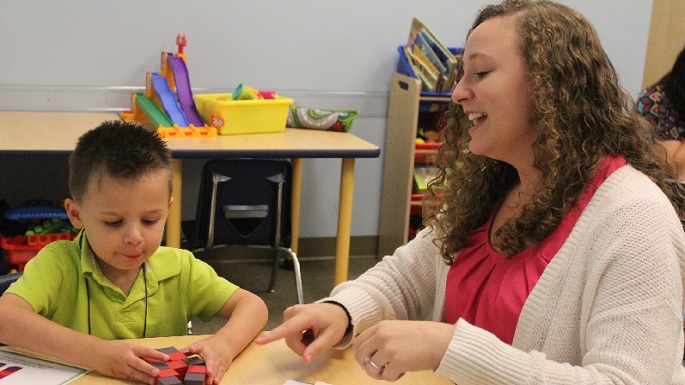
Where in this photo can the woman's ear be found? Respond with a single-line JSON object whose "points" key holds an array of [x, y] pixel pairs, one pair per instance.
{"points": [[73, 212]]}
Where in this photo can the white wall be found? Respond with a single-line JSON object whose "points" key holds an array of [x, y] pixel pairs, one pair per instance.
{"points": [[89, 55]]}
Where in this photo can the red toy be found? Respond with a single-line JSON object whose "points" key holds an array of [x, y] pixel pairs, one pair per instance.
{"points": [[179, 370], [181, 42], [195, 375]]}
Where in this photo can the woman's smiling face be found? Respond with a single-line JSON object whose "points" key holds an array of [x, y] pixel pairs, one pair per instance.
{"points": [[494, 92]]}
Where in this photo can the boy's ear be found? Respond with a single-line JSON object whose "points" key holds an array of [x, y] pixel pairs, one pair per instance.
{"points": [[171, 200], [73, 212]]}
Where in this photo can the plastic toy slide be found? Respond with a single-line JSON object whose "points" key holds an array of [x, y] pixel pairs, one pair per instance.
{"points": [[150, 109], [168, 99], [185, 95]]}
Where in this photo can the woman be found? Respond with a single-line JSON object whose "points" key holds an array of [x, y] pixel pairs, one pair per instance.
{"points": [[663, 105], [554, 258]]}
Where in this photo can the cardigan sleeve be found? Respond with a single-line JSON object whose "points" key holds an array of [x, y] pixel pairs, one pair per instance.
{"points": [[400, 287]]}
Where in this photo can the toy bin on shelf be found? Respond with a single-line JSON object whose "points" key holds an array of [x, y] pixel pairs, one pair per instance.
{"points": [[20, 249], [243, 116]]}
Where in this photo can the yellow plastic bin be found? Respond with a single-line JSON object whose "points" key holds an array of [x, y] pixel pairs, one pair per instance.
{"points": [[243, 116]]}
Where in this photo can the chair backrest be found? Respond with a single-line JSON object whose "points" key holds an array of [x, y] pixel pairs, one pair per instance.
{"points": [[243, 202], [7, 279]]}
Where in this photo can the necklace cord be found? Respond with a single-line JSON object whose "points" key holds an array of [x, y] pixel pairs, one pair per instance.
{"points": [[144, 320], [88, 295]]}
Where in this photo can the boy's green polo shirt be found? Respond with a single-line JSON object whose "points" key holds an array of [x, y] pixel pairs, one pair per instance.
{"points": [[179, 287]]}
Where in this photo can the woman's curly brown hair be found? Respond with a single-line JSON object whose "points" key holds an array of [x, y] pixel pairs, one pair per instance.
{"points": [[582, 114]]}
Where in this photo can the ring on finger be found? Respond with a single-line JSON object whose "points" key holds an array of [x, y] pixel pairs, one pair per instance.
{"points": [[374, 365]]}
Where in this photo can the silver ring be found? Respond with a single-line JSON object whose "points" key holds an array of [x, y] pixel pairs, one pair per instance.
{"points": [[369, 361]]}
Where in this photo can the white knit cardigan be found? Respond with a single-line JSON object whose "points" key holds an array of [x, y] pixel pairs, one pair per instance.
{"points": [[606, 310]]}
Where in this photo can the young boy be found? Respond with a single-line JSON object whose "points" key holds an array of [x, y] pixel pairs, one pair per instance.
{"points": [[78, 299]]}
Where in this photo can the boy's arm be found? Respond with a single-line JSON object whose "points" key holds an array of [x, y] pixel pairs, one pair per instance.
{"points": [[246, 315], [21, 327]]}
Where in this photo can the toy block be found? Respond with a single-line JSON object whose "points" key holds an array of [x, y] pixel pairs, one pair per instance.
{"points": [[195, 375], [173, 353], [168, 377], [201, 369], [194, 379], [169, 381], [179, 366], [194, 360], [176, 356], [167, 350], [151, 360], [167, 373], [160, 365]]}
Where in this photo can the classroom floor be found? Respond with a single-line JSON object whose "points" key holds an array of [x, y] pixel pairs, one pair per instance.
{"points": [[317, 282]]}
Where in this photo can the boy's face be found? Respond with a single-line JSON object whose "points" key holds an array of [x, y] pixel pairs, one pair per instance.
{"points": [[124, 219]]}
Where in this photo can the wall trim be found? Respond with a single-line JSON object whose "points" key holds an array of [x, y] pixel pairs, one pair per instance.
{"points": [[370, 104]]}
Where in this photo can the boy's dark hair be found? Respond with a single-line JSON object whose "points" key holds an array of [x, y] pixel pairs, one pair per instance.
{"points": [[119, 149]]}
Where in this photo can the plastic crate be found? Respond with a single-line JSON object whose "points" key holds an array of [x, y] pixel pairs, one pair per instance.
{"points": [[416, 205], [20, 249], [243, 116]]}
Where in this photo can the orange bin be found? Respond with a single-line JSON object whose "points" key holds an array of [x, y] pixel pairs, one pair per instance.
{"points": [[20, 249]]}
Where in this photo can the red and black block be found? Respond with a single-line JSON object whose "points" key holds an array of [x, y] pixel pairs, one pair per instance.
{"points": [[180, 369], [168, 377], [173, 353], [195, 375]]}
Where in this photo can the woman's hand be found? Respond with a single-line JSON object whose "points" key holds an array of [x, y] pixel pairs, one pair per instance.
{"points": [[389, 349], [310, 329]]}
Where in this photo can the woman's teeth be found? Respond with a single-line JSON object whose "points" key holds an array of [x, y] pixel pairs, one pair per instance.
{"points": [[474, 116]]}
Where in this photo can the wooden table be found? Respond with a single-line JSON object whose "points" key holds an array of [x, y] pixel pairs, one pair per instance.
{"points": [[55, 134], [275, 363]]}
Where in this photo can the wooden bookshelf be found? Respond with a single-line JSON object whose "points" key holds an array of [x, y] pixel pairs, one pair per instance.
{"points": [[400, 156]]}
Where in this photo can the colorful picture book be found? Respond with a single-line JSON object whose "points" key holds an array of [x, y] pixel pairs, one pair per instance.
{"points": [[434, 64], [423, 175], [17, 368]]}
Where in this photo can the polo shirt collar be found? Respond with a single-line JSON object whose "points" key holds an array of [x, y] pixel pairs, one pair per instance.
{"points": [[155, 271]]}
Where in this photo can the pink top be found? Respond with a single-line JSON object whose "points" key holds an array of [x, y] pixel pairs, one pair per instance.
{"points": [[488, 290]]}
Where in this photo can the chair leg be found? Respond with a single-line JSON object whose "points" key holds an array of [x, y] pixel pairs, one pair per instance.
{"points": [[274, 270], [298, 276]]}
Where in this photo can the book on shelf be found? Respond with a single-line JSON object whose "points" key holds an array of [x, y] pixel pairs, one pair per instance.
{"points": [[425, 72], [431, 61], [422, 176]]}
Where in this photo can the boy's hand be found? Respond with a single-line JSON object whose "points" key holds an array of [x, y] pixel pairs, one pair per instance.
{"points": [[309, 329], [124, 360], [216, 354]]}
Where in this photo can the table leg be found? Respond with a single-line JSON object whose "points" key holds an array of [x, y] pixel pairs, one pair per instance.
{"points": [[173, 223], [342, 248], [295, 204]]}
